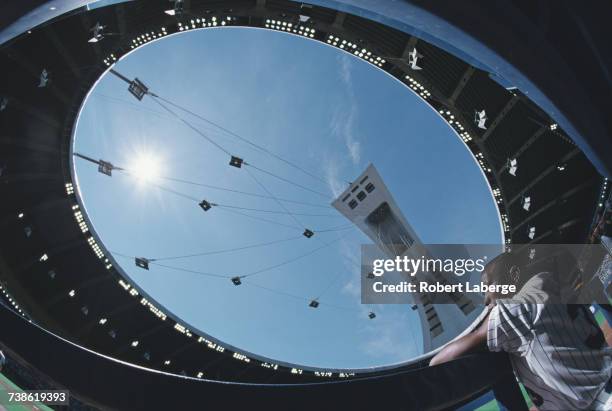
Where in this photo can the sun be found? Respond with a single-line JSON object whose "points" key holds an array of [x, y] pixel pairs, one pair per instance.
{"points": [[145, 168]]}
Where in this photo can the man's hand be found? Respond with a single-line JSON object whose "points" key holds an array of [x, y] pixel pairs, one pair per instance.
{"points": [[472, 342]]}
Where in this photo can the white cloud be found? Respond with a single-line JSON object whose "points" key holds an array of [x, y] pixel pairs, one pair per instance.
{"points": [[345, 69], [348, 133], [336, 185], [352, 288], [343, 122]]}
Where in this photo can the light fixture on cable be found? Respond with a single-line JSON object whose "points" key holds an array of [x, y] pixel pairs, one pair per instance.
{"points": [[236, 162], [142, 262], [105, 168], [205, 205], [138, 89]]}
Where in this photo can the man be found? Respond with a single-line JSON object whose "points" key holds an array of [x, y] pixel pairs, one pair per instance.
{"points": [[557, 350]]}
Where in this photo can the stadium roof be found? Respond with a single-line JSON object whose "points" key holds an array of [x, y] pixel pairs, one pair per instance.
{"points": [[63, 277]]}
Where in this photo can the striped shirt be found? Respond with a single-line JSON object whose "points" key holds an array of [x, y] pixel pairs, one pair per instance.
{"points": [[557, 351]]}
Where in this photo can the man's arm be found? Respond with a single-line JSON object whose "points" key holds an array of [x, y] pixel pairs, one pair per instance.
{"points": [[472, 342]]}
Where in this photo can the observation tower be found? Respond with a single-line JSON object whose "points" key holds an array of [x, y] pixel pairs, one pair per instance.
{"points": [[369, 204]]}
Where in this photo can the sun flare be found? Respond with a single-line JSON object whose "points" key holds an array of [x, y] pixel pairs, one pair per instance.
{"points": [[146, 168]]}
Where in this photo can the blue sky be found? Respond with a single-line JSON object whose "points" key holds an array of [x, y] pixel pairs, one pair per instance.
{"points": [[327, 111]]}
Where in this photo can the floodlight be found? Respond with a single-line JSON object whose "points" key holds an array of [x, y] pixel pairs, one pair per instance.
{"points": [[236, 280], [85, 310], [236, 162], [553, 126], [135, 343], [112, 334], [314, 304], [371, 315], [532, 253], [413, 58], [205, 205], [561, 167], [512, 166], [308, 233], [105, 167], [531, 233], [138, 89], [3, 103], [480, 118], [102, 321], [97, 33], [176, 10], [526, 203], [304, 19], [142, 262], [44, 79]]}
